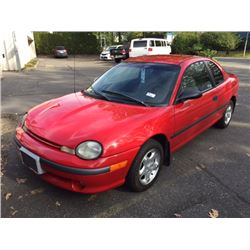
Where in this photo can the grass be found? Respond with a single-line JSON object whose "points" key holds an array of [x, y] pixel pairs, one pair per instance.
{"points": [[233, 54], [31, 64]]}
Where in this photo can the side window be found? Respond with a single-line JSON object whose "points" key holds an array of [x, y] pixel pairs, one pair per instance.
{"points": [[158, 43], [196, 76], [218, 76], [151, 43]]}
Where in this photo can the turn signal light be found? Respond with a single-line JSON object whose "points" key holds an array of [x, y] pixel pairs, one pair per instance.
{"points": [[118, 166]]}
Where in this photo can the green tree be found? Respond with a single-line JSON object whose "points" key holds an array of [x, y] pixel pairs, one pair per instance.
{"points": [[133, 35], [224, 41], [186, 43]]}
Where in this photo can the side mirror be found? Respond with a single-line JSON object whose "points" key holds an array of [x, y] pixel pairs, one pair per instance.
{"points": [[189, 93]]}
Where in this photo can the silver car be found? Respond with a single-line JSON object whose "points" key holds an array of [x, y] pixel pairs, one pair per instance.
{"points": [[60, 51]]}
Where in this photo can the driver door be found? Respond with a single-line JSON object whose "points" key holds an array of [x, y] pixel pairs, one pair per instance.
{"points": [[194, 115]]}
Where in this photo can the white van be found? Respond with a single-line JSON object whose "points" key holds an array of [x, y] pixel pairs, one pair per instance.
{"points": [[149, 46]]}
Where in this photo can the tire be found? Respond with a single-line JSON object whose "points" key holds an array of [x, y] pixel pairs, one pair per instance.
{"points": [[142, 176], [227, 116], [118, 60]]}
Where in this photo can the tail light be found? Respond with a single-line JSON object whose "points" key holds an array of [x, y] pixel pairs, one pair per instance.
{"points": [[123, 52], [130, 50], [150, 49]]}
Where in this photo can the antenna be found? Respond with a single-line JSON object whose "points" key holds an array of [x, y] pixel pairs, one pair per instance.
{"points": [[74, 72]]}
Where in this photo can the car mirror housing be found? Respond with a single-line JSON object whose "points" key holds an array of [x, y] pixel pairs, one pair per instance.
{"points": [[189, 93]]}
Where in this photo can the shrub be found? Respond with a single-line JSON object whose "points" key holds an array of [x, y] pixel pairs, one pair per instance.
{"points": [[207, 52], [75, 42]]}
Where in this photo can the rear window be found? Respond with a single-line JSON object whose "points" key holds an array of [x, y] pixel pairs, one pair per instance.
{"points": [[138, 44], [60, 47], [218, 76]]}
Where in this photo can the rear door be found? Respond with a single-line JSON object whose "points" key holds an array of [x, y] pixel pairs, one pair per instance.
{"points": [[194, 116], [138, 48]]}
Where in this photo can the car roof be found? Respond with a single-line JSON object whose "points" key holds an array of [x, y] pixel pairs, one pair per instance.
{"points": [[168, 59], [148, 38]]}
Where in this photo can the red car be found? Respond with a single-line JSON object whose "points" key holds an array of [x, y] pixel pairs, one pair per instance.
{"points": [[127, 124]]}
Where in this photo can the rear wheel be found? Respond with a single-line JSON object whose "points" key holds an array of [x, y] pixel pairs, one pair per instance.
{"points": [[226, 118], [146, 166]]}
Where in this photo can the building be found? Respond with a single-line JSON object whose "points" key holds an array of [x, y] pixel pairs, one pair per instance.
{"points": [[16, 49]]}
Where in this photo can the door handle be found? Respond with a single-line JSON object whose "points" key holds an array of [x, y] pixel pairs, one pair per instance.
{"points": [[215, 98]]}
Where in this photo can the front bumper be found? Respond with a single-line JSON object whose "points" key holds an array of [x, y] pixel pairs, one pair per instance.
{"points": [[61, 55], [106, 57], [63, 170]]}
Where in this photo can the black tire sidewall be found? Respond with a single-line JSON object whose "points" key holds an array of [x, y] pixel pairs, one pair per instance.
{"points": [[221, 123], [133, 174]]}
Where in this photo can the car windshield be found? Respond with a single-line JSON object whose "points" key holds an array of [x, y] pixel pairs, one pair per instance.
{"points": [[110, 47], [148, 84], [59, 47]]}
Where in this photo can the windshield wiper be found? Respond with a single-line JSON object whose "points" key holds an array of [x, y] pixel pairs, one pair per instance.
{"points": [[126, 96], [97, 93]]}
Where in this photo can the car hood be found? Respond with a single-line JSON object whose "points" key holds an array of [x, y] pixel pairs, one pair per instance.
{"points": [[74, 118]]}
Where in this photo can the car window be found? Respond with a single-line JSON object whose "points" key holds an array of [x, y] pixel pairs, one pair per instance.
{"points": [[217, 74], [158, 43], [117, 75], [60, 47], [138, 44], [152, 43], [196, 76], [151, 83]]}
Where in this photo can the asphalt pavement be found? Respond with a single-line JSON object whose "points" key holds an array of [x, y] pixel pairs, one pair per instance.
{"points": [[210, 172]]}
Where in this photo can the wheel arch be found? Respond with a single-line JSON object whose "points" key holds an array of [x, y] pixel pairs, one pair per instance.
{"points": [[163, 140], [233, 99]]}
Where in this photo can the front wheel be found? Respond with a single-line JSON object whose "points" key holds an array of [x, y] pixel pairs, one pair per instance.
{"points": [[146, 166], [227, 116]]}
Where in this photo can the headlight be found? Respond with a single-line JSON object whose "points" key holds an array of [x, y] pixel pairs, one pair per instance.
{"points": [[89, 150], [22, 120]]}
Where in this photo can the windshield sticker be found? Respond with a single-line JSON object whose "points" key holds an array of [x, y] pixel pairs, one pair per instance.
{"points": [[152, 95]]}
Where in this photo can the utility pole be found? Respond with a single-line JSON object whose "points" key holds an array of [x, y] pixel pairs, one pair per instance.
{"points": [[245, 47]]}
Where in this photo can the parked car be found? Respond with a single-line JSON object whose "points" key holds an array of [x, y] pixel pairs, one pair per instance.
{"points": [[127, 123], [106, 55], [149, 46], [60, 51], [121, 53]]}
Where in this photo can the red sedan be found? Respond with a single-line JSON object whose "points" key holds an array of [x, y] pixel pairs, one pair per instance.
{"points": [[125, 126]]}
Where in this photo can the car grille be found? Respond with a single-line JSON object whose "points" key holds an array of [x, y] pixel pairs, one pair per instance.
{"points": [[40, 139]]}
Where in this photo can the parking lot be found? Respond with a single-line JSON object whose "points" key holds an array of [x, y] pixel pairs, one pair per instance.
{"points": [[210, 172]]}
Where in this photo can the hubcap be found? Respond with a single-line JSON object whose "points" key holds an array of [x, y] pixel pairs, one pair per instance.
{"points": [[228, 114], [149, 166]]}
